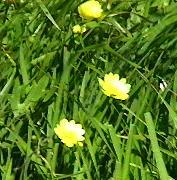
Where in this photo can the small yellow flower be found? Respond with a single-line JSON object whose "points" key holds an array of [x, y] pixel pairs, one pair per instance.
{"points": [[115, 87], [76, 29], [90, 9], [83, 29], [70, 133], [79, 29]]}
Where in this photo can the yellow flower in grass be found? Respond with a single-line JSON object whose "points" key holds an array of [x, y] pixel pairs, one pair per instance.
{"points": [[79, 29], [70, 133], [115, 87], [90, 9]]}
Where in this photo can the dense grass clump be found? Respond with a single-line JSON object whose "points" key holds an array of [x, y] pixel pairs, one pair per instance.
{"points": [[49, 73]]}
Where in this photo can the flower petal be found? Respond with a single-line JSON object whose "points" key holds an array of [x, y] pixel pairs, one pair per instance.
{"points": [[90, 9], [69, 132], [115, 87]]}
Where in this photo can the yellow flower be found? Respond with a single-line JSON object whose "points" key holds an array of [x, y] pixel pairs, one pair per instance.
{"points": [[90, 9], [79, 29], [70, 133], [115, 87]]}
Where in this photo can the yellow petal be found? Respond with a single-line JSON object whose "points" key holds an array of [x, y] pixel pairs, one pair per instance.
{"points": [[112, 86], [80, 144], [90, 9], [69, 132], [77, 29]]}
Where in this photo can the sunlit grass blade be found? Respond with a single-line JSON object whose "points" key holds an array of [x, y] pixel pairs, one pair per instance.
{"points": [[155, 147], [47, 13]]}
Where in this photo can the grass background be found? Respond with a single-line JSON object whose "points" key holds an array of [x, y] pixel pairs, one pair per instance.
{"points": [[47, 73]]}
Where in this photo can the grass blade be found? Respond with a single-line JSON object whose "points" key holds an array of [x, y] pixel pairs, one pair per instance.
{"points": [[155, 147]]}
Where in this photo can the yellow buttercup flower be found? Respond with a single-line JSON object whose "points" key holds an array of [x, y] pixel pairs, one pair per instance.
{"points": [[70, 133], [115, 87], [90, 9], [79, 29]]}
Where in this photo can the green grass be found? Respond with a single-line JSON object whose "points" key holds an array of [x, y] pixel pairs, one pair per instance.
{"points": [[47, 73]]}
